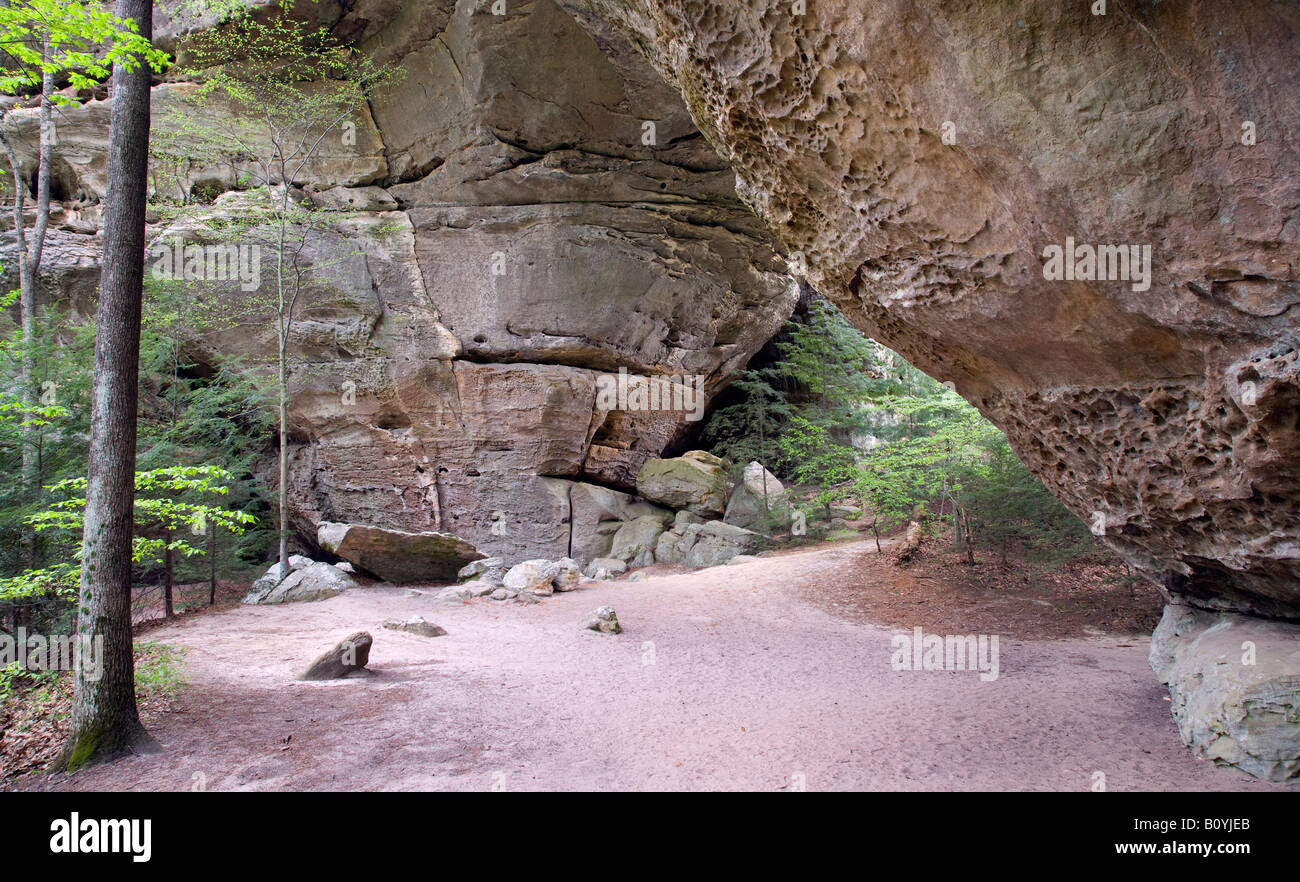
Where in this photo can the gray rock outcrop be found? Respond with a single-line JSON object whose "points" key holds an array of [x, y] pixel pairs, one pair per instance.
{"points": [[634, 543], [705, 545], [1234, 685]]}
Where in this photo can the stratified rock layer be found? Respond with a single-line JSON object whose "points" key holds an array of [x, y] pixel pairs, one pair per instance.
{"points": [[527, 212]]}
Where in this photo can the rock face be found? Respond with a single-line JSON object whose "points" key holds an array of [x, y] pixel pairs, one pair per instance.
{"points": [[1234, 682], [511, 236], [524, 235], [919, 190], [557, 195], [395, 555]]}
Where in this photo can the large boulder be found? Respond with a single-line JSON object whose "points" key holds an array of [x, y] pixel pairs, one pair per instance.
{"points": [[319, 581], [348, 655], [541, 577], [1234, 685], [395, 555], [566, 573], [706, 545], [597, 513], [531, 576], [695, 481], [757, 500], [634, 543]]}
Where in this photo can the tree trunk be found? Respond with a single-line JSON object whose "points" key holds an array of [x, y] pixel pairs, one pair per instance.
{"points": [[105, 720], [29, 265], [169, 580], [212, 564], [285, 317], [284, 461]]}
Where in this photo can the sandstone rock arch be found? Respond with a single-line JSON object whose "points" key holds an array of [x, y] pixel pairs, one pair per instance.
{"points": [[912, 159], [1172, 414]]}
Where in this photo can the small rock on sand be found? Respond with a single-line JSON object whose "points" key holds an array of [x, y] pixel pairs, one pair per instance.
{"points": [[415, 625], [603, 620]]}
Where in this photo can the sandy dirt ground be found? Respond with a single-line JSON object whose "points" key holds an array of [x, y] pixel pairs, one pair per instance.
{"points": [[724, 679]]}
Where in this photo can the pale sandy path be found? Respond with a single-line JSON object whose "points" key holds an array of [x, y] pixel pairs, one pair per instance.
{"points": [[749, 686]]}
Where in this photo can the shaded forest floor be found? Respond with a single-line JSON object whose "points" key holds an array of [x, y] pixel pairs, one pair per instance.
{"points": [[769, 675]]}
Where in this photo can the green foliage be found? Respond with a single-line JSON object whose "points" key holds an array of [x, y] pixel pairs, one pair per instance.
{"points": [[843, 419], [16, 679], [168, 502], [58, 417], [158, 669], [73, 40]]}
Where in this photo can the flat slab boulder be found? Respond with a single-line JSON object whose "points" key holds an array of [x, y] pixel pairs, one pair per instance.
{"points": [[395, 555], [695, 481], [416, 625], [351, 654]]}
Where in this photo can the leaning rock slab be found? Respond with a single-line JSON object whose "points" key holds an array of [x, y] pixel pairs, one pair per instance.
{"points": [[395, 555], [347, 656], [1234, 684], [265, 584], [695, 481]]}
